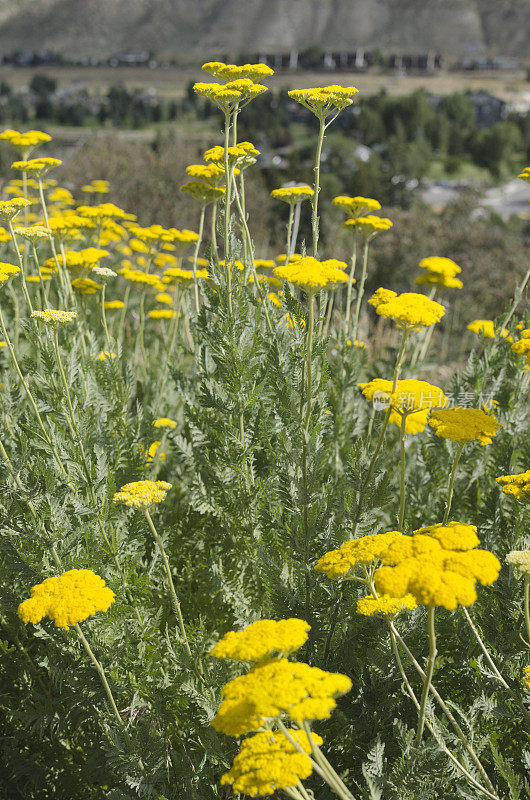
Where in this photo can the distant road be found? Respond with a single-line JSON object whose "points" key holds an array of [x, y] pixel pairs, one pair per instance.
{"points": [[172, 82]]}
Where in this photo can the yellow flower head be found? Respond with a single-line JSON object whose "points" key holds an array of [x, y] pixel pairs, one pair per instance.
{"points": [[435, 279], [336, 563], [165, 422], [325, 101], [263, 640], [440, 266], [412, 398], [268, 762], [142, 494], [517, 486], [34, 233], [486, 328], [464, 424], [439, 565], [25, 141], [312, 275], [525, 175], [36, 166], [86, 286], [10, 208], [104, 355], [293, 194], [53, 317], [369, 225], [202, 191], [7, 270], [230, 72], [97, 186], [356, 206], [69, 599], [275, 688], [408, 310], [104, 212], [522, 347], [114, 305], [161, 313], [369, 606], [521, 560]]}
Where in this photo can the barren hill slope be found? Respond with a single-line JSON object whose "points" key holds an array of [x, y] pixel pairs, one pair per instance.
{"points": [[210, 27]]}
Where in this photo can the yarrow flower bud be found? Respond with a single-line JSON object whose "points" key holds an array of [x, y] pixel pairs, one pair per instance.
{"points": [[521, 560]]}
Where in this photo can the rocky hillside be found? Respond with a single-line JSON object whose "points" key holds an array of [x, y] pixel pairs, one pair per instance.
{"points": [[210, 27]]}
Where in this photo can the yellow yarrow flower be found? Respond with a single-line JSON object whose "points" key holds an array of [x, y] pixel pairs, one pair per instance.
{"points": [[54, 317], [439, 565], [142, 494], [525, 175], [486, 327], [263, 640], [34, 233], [356, 206], [464, 424], [325, 101], [370, 605], [522, 347], [68, 599], [276, 688], [412, 398], [312, 275], [293, 194], [161, 313], [268, 762], [369, 225], [337, 563], [10, 208], [517, 486], [408, 310], [37, 166], [25, 141], [114, 305], [104, 355], [165, 422], [7, 270], [86, 286], [202, 191]]}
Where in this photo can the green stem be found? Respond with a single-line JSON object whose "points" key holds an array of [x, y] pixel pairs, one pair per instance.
{"points": [[351, 276], [289, 232], [21, 265], [227, 198], [360, 289], [527, 606], [402, 488], [428, 672], [196, 256], [104, 318], [450, 485], [314, 199], [101, 673], [213, 232], [174, 597]]}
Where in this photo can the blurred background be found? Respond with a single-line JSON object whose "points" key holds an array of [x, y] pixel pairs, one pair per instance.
{"points": [[438, 135]]}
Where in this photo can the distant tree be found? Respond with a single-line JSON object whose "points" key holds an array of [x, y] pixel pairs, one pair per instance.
{"points": [[42, 85]]}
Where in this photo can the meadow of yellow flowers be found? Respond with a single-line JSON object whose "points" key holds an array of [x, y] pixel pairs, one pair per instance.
{"points": [[242, 551]]}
